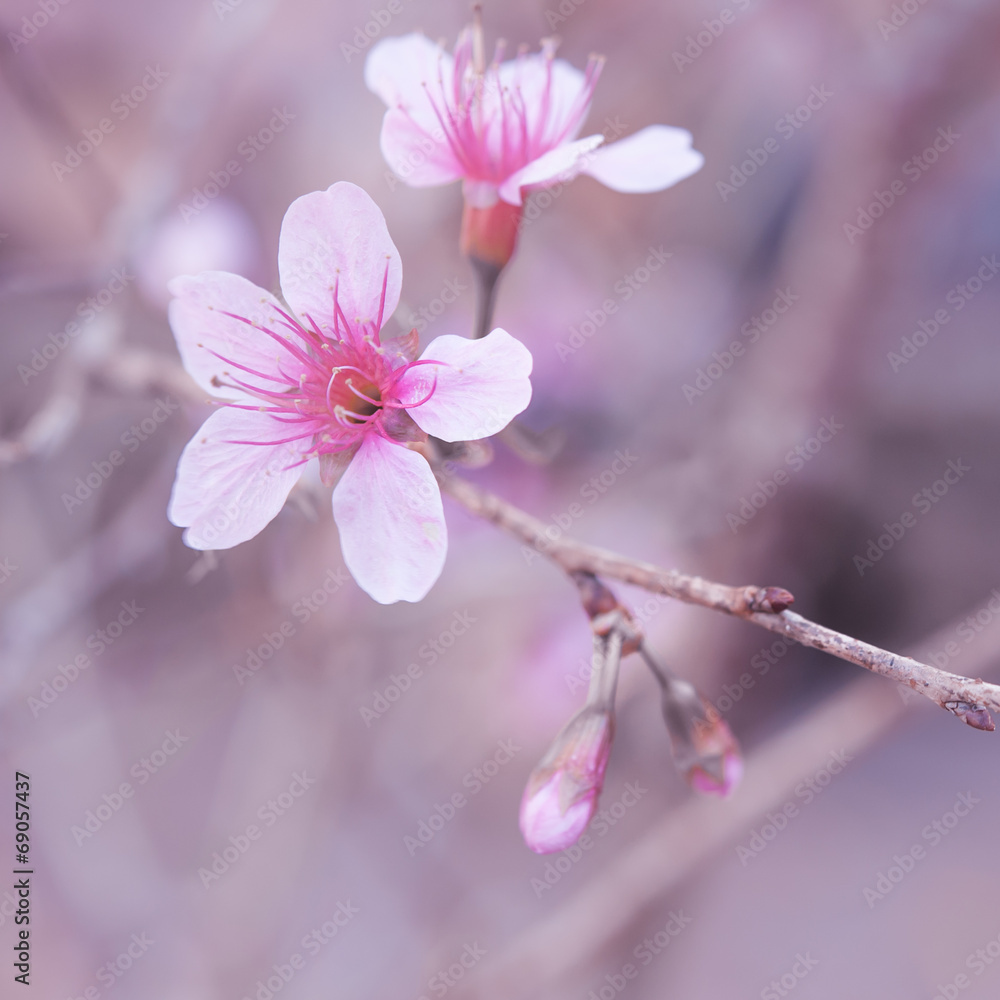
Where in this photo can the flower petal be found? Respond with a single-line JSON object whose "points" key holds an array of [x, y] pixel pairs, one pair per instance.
{"points": [[650, 160], [197, 317], [401, 71], [337, 240], [226, 493], [553, 93], [387, 506], [545, 825], [476, 390], [419, 158], [560, 164]]}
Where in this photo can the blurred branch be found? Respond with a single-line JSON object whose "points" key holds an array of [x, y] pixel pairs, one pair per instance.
{"points": [[970, 700], [129, 371]]}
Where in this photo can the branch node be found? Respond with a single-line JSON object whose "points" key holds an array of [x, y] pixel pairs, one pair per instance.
{"points": [[770, 600], [972, 715]]}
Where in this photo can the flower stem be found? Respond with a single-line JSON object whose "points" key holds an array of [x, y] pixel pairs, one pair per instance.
{"points": [[487, 276]]}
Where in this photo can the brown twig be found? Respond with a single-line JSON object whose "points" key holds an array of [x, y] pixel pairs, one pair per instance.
{"points": [[971, 700]]}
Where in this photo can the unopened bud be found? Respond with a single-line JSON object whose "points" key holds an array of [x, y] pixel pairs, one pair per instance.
{"points": [[703, 745], [562, 791]]}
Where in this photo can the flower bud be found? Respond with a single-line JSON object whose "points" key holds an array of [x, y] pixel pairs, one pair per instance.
{"points": [[721, 766], [703, 745], [562, 791]]}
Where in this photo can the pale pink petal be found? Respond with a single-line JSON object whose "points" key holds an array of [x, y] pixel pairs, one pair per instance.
{"points": [[476, 390], [226, 493], [337, 239], [545, 825], [405, 71], [650, 160], [549, 87], [203, 331], [419, 158], [387, 506], [560, 164]]}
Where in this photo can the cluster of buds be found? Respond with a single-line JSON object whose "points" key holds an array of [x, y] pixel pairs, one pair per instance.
{"points": [[562, 791]]}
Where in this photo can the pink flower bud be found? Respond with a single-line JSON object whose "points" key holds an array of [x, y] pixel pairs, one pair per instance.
{"points": [[561, 794], [703, 745], [720, 767]]}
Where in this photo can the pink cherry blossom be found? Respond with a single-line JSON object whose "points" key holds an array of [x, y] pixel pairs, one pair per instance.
{"points": [[562, 792], [507, 127], [313, 379]]}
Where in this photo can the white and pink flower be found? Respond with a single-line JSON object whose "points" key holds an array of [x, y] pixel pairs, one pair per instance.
{"points": [[507, 127], [310, 378]]}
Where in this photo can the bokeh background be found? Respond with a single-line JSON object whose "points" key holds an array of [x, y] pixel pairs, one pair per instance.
{"points": [[807, 115]]}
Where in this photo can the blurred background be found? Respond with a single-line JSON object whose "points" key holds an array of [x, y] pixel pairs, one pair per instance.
{"points": [[246, 775]]}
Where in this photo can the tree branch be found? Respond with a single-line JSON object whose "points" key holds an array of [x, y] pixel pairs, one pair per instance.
{"points": [[971, 700]]}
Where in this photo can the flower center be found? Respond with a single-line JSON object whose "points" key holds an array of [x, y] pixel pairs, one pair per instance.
{"points": [[361, 398]]}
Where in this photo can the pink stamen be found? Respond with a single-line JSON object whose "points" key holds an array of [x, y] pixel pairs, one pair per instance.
{"points": [[381, 303], [297, 437], [251, 371]]}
